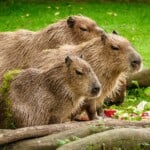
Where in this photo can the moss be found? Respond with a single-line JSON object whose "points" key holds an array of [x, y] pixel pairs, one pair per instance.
{"points": [[6, 120], [6, 81]]}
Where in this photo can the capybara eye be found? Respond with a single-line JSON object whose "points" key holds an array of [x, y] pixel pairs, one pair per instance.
{"points": [[114, 47], [83, 29], [79, 72]]}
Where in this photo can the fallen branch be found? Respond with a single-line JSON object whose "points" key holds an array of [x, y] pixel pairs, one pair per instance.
{"points": [[39, 131], [55, 140], [35, 131], [142, 77], [124, 138]]}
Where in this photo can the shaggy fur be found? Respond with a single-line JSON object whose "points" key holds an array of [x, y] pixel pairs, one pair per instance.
{"points": [[43, 97], [111, 57], [117, 97], [18, 48]]}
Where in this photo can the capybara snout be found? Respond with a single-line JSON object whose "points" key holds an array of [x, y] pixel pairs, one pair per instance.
{"points": [[99, 30], [95, 89], [136, 62]]}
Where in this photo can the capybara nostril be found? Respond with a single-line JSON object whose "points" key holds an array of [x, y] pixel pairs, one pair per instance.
{"points": [[136, 63], [95, 90]]}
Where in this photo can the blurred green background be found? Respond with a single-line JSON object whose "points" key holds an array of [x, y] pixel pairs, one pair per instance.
{"points": [[130, 18]]}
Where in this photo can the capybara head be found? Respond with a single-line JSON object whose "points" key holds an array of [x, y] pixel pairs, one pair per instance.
{"points": [[83, 28], [82, 78], [120, 54]]}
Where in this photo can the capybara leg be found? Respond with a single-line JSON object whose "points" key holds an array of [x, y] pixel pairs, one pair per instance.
{"points": [[76, 113], [91, 110], [99, 110]]}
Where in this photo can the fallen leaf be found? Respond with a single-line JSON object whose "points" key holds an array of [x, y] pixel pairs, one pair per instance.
{"points": [[57, 13]]}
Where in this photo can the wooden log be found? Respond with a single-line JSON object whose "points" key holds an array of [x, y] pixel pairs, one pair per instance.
{"points": [[38, 131], [51, 142], [142, 78], [125, 138]]}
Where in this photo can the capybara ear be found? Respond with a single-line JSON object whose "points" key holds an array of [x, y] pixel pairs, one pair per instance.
{"points": [[70, 22], [68, 61], [115, 32], [103, 38]]}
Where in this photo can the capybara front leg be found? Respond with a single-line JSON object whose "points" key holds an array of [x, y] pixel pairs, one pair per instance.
{"points": [[99, 110], [91, 109]]}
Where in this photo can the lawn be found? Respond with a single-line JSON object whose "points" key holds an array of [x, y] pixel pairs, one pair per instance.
{"points": [[131, 20]]}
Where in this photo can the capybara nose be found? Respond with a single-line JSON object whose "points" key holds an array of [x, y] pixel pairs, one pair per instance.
{"points": [[136, 64], [95, 90]]}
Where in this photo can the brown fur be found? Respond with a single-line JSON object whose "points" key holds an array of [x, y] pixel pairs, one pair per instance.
{"points": [[18, 48], [118, 94], [117, 98], [110, 56], [43, 97]]}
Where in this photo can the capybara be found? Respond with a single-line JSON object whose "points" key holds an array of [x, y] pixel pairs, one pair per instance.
{"points": [[111, 56], [19, 47], [40, 97]]}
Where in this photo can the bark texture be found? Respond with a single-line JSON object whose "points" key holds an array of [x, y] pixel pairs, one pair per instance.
{"points": [[124, 138], [55, 134]]}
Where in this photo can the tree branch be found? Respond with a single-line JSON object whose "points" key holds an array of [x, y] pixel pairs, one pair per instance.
{"points": [[124, 138], [39, 131], [142, 77]]}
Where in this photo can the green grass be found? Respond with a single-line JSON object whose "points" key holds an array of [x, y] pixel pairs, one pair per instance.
{"points": [[133, 99], [131, 20]]}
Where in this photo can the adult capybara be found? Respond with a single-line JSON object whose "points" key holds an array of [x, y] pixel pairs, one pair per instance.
{"points": [[18, 48], [111, 56], [40, 97]]}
